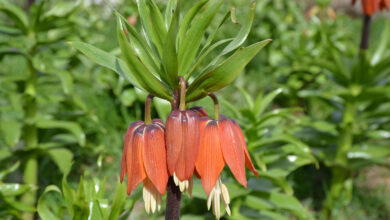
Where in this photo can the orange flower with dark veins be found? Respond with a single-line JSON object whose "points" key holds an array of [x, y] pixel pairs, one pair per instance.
{"points": [[144, 160], [371, 6], [222, 141], [182, 139]]}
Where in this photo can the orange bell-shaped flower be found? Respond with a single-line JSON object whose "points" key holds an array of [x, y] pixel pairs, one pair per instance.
{"points": [[182, 139], [371, 6], [222, 141], [144, 159]]}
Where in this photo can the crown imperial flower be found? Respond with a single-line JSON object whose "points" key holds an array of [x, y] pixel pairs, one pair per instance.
{"points": [[144, 160], [371, 6], [221, 141]]}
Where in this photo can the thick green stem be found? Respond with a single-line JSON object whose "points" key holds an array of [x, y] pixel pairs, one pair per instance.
{"points": [[148, 103], [216, 105], [340, 173], [182, 106], [30, 136]]}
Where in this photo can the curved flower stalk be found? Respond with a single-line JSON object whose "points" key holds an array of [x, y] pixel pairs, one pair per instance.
{"points": [[144, 159]]}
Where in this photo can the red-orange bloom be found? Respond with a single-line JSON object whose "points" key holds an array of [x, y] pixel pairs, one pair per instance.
{"points": [[371, 6], [222, 141], [182, 139], [144, 160]]}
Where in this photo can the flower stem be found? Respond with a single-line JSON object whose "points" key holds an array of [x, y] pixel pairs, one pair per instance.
{"points": [[30, 136], [365, 32], [172, 210], [148, 103], [182, 93], [216, 105]]}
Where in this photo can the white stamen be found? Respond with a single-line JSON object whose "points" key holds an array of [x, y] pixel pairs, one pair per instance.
{"points": [[185, 186], [152, 198], [218, 191]]}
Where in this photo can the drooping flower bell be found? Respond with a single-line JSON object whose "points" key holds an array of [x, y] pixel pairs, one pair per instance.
{"points": [[221, 141], [182, 139], [144, 159], [371, 6]]}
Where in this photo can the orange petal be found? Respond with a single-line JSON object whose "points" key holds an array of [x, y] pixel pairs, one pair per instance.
{"points": [[385, 4], [232, 150], [158, 122], [129, 132], [154, 156], [248, 161], [202, 125], [173, 138], [210, 161], [370, 6], [201, 112], [190, 145], [182, 138], [135, 167]]}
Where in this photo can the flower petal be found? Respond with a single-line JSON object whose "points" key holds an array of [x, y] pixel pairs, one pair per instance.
{"points": [[135, 167], [201, 112], [248, 161], [232, 150], [190, 145], [154, 156], [173, 138], [129, 132], [210, 159], [158, 122], [370, 6]]}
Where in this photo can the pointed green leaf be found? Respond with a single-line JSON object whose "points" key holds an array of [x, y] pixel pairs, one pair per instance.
{"points": [[107, 60], [69, 195], [17, 15], [43, 206], [382, 46], [169, 11], [203, 55], [262, 105], [62, 158], [5, 171], [13, 189], [142, 49], [188, 19], [170, 54], [191, 43], [72, 127], [153, 23], [247, 97], [119, 201], [11, 130], [239, 39], [144, 77], [225, 73]]}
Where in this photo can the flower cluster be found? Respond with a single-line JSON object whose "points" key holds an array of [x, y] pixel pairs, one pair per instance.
{"points": [[190, 143], [372, 6]]}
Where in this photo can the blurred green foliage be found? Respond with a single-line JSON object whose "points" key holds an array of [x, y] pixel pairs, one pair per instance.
{"points": [[314, 110]]}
